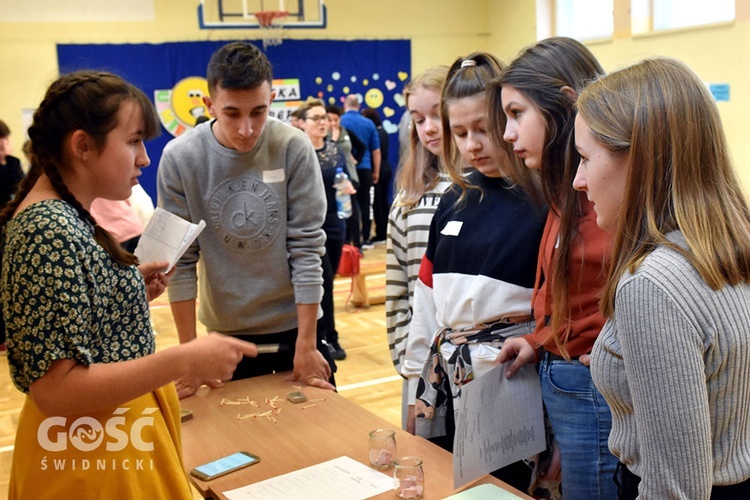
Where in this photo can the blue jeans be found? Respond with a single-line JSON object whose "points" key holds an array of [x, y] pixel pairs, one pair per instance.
{"points": [[581, 422]]}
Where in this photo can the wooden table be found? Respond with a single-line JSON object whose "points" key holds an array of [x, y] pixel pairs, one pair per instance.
{"points": [[302, 435]]}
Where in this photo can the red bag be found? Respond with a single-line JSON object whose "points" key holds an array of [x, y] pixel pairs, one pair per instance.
{"points": [[349, 263]]}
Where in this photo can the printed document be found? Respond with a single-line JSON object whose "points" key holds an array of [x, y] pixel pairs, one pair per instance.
{"points": [[499, 422], [342, 478]]}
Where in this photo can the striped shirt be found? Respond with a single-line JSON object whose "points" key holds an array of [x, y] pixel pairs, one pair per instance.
{"points": [[408, 231], [674, 367]]}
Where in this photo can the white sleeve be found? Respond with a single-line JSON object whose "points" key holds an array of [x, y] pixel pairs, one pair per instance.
{"points": [[421, 332]]}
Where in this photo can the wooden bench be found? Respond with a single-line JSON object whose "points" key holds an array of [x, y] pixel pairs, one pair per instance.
{"points": [[368, 287]]}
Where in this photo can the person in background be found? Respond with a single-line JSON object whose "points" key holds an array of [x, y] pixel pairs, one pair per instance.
{"points": [[257, 184], [120, 220], [354, 150], [420, 184], [672, 360], [26, 148], [404, 132], [477, 274], [79, 341], [314, 122], [294, 119], [347, 141], [368, 170], [126, 219], [11, 175], [537, 95], [381, 205], [11, 172], [142, 204]]}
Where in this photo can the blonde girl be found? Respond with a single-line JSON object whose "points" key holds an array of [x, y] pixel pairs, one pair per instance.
{"points": [[672, 360], [419, 185]]}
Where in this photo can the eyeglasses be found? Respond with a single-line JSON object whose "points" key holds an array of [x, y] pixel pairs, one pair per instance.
{"points": [[318, 118]]}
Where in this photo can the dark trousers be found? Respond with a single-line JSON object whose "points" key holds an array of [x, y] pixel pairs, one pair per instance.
{"points": [[330, 264], [353, 226], [280, 361], [627, 487], [363, 200], [381, 206]]}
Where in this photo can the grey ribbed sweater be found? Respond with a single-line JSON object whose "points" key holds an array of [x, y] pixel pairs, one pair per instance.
{"points": [[674, 367]]}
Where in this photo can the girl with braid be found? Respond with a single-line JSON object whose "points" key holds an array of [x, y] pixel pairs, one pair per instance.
{"points": [[101, 416]]}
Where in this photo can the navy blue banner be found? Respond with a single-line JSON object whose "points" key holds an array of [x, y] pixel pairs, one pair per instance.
{"points": [[328, 69]]}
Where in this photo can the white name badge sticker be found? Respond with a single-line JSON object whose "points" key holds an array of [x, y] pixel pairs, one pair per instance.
{"points": [[452, 228], [270, 176]]}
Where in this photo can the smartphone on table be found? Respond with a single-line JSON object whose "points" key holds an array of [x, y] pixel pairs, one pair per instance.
{"points": [[224, 465]]}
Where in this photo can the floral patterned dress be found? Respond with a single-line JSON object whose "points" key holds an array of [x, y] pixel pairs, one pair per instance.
{"points": [[64, 297]]}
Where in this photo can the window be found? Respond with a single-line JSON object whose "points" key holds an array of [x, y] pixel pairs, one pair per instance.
{"points": [[658, 15], [584, 19]]}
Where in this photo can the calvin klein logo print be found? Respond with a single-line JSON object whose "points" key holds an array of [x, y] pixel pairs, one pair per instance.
{"points": [[246, 213], [245, 217]]}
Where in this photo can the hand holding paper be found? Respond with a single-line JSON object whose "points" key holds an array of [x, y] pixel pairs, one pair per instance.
{"points": [[166, 238]]}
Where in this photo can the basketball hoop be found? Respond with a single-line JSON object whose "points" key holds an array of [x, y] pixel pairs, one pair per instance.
{"points": [[271, 26]]}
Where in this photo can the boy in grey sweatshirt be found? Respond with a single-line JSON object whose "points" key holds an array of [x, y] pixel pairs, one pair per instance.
{"points": [[256, 183]]}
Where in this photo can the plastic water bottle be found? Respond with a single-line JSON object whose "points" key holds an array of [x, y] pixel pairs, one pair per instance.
{"points": [[343, 200]]}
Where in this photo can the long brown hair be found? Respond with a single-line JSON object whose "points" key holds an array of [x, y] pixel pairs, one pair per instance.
{"points": [[680, 175], [540, 73], [88, 101], [420, 169]]}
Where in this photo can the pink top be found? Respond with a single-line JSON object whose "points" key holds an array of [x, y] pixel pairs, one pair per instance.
{"points": [[118, 217]]}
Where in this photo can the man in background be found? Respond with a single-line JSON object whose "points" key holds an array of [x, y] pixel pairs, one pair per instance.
{"points": [[368, 169]]}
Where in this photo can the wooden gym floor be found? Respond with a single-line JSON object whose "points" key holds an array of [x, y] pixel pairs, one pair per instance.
{"points": [[366, 376]]}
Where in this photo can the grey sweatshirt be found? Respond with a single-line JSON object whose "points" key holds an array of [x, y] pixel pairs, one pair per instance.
{"points": [[674, 367], [260, 251]]}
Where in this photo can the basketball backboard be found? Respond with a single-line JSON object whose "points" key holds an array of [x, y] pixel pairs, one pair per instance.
{"points": [[240, 14]]}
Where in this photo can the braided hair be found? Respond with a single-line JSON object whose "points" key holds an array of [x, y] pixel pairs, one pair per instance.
{"points": [[82, 100]]}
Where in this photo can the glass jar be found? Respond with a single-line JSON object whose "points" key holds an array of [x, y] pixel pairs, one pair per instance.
{"points": [[382, 448], [408, 478]]}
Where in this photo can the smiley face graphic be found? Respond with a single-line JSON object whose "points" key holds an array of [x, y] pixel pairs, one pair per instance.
{"points": [[187, 99]]}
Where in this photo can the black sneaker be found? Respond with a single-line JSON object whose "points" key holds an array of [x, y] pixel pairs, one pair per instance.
{"points": [[367, 244], [337, 352]]}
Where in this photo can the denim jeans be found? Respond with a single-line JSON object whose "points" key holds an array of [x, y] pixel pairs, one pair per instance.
{"points": [[581, 422]]}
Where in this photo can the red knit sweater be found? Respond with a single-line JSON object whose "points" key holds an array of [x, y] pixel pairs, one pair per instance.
{"points": [[589, 257]]}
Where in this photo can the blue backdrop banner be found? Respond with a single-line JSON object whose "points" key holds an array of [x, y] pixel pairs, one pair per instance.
{"points": [[173, 74]]}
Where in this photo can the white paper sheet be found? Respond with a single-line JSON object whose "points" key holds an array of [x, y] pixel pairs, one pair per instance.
{"points": [[166, 237], [499, 422], [342, 478]]}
